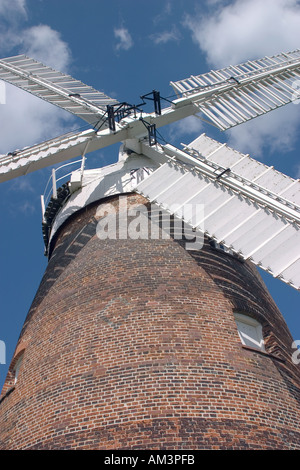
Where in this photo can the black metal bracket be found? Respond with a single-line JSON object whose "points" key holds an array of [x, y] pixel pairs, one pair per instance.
{"points": [[111, 117], [223, 173], [151, 128], [155, 97], [116, 112], [234, 79]]}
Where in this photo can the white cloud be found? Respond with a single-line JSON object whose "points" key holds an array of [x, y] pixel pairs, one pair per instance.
{"points": [[245, 30], [276, 131], [166, 11], [11, 13], [26, 207], [26, 119], [45, 45], [12, 10], [166, 36], [191, 126], [124, 38]]}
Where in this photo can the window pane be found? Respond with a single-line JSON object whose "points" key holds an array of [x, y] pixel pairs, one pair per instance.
{"points": [[250, 332]]}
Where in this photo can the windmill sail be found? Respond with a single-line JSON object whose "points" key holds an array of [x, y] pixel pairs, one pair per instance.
{"points": [[251, 209], [57, 150], [227, 97], [22, 162], [55, 87], [236, 94]]}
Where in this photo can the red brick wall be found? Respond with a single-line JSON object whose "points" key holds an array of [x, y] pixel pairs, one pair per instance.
{"points": [[132, 344]]}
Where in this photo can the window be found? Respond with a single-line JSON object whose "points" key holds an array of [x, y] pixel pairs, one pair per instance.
{"points": [[250, 331], [17, 367]]}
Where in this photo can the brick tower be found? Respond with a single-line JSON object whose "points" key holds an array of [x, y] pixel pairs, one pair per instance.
{"points": [[136, 343]]}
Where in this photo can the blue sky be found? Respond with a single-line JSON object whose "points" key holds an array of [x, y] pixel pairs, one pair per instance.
{"points": [[127, 48]]}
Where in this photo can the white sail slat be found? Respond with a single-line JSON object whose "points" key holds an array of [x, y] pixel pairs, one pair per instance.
{"points": [[256, 222], [244, 166], [236, 94], [55, 87]]}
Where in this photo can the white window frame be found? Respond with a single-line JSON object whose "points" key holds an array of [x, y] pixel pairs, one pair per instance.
{"points": [[17, 367], [250, 331]]}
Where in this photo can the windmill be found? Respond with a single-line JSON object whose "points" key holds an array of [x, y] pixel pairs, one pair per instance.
{"points": [[251, 211]]}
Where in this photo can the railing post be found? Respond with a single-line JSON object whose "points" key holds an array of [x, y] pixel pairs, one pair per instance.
{"points": [[54, 191], [43, 207]]}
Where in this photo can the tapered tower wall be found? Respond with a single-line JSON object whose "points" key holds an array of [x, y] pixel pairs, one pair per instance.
{"points": [[132, 344]]}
